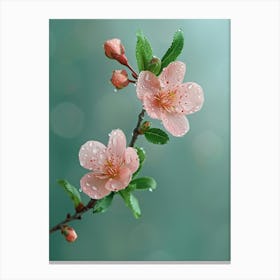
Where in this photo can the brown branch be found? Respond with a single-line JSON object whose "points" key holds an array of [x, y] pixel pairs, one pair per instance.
{"points": [[76, 216], [136, 129]]}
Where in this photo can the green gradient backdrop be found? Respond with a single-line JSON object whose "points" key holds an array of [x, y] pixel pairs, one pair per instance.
{"points": [[188, 217]]}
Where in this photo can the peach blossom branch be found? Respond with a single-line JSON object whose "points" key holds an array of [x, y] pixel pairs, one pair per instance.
{"points": [[78, 214]]}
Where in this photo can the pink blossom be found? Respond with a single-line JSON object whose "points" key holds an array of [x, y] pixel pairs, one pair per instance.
{"points": [[120, 79], [112, 167], [168, 99]]}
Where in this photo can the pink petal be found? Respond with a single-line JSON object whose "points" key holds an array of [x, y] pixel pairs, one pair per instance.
{"points": [[119, 182], [172, 75], [176, 124], [117, 143], [194, 97], [151, 106], [131, 159], [94, 187], [91, 154], [147, 83]]}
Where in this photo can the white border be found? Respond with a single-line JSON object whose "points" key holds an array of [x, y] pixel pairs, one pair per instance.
{"points": [[254, 126]]}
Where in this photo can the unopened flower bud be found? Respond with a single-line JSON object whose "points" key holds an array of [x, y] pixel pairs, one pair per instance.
{"points": [[114, 49], [144, 127], [154, 65], [69, 233], [120, 79]]}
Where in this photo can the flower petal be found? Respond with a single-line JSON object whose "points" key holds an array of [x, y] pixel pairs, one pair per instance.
{"points": [[172, 75], [91, 154], [94, 187], [176, 124], [193, 97], [131, 159], [147, 83], [151, 107], [119, 182], [117, 143]]}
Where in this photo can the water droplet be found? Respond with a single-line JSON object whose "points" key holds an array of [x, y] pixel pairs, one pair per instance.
{"points": [[150, 189], [80, 190], [115, 90], [114, 142], [94, 188]]}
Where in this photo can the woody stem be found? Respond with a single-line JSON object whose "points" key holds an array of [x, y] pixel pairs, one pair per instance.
{"points": [[136, 129], [76, 216]]}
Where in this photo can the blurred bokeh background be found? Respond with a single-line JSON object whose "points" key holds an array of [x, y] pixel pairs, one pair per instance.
{"points": [[187, 218]]}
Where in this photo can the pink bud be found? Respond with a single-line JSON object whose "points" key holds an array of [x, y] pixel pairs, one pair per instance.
{"points": [[144, 127], [69, 233], [114, 49], [120, 79]]}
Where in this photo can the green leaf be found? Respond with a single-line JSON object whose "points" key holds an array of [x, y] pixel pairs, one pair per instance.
{"points": [[103, 204], [156, 136], [131, 202], [71, 191], [175, 49], [144, 183], [141, 155], [144, 52]]}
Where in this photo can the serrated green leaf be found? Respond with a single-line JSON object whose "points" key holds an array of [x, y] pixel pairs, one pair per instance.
{"points": [[175, 49], [144, 183], [144, 52], [156, 136], [131, 202], [71, 191], [141, 155], [103, 204]]}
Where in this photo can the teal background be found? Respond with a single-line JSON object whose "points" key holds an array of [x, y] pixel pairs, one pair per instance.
{"points": [[187, 218]]}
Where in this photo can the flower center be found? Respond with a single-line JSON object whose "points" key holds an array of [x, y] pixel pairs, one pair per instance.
{"points": [[111, 169], [165, 100]]}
